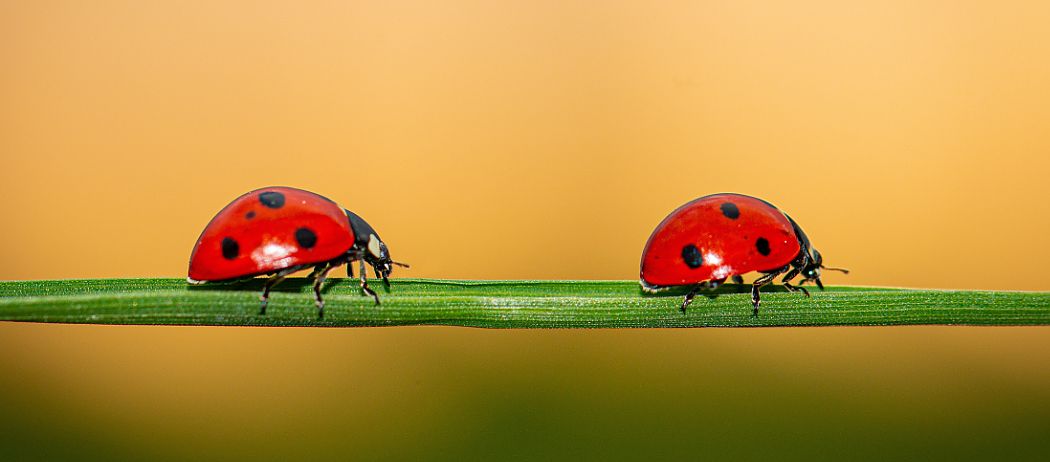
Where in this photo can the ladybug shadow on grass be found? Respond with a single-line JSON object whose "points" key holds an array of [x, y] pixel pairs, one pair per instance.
{"points": [[288, 285], [711, 292]]}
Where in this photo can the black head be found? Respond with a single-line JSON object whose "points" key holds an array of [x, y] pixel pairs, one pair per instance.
{"points": [[371, 248], [809, 261], [811, 271]]}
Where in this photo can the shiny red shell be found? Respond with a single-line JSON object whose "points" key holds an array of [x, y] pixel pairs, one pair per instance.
{"points": [[727, 231], [268, 230]]}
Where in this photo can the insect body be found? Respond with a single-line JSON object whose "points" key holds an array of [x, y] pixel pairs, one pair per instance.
{"points": [[277, 231], [721, 236]]}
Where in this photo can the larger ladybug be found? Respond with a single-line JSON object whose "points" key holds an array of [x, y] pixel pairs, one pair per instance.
{"points": [[277, 231], [721, 236]]}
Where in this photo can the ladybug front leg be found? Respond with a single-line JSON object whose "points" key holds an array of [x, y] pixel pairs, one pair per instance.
{"points": [[793, 288], [364, 283], [319, 275]]}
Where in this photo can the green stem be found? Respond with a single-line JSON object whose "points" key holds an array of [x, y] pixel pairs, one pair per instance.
{"points": [[501, 304]]}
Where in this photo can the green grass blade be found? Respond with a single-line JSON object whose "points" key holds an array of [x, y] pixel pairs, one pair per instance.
{"points": [[501, 304]]}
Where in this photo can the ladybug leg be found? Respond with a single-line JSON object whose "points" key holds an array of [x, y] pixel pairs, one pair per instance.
{"points": [[690, 295], [712, 286], [817, 281], [275, 279], [793, 288], [706, 285], [320, 274], [765, 279], [386, 281], [364, 283], [738, 279]]}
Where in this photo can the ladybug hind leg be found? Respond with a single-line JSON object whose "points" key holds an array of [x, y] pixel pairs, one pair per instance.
{"points": [[706, 285]]}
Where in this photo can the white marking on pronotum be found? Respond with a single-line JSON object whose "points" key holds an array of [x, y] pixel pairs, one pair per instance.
{"points": [[373, 245]]}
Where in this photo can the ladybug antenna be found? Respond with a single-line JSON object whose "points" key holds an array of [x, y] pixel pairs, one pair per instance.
{"points": [[403, 265], [841, 270]]}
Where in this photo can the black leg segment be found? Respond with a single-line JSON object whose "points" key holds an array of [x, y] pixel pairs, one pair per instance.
{"points": [[706, 285], [765, 279], [320, 274], [689, 297], [275, 279], [364, 283]]}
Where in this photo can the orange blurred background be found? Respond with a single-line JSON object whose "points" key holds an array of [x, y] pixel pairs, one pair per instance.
{"points": [[533, 140]]}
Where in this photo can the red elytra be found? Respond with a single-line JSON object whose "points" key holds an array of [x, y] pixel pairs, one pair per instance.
{"points": [[249, 237], [721, 236], [280, 230]]}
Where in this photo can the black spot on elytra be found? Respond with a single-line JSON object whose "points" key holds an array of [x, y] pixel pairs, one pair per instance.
{"points": [[305, 237], [762, 245], [692, 256], [730, 210], [272, 199], [250, 214], [230, 248]]}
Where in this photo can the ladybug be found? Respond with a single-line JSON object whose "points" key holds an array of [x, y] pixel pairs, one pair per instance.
{"points": [[279, 230], [721, 236]]}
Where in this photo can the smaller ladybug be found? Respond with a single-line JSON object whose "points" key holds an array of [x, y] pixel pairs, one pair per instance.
{"points": [[722, 236], [278, 231]]}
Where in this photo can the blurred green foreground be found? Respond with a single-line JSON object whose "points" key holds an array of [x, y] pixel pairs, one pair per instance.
{"points": [[440, 393]]}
